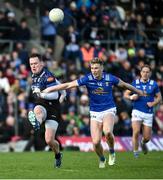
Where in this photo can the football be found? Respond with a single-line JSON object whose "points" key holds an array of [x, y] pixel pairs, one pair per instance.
{"points": [[56, 15]]}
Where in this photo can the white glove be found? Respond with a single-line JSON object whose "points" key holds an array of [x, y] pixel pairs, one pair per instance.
{"points": [[36, 90]]}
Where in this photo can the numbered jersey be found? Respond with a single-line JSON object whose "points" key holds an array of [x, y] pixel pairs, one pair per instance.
{"points": [[99, 91], [151, 89]]}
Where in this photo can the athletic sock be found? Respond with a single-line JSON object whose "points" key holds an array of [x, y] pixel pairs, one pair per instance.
{"points": [[58, 155], [102, 158], [111, 151]]}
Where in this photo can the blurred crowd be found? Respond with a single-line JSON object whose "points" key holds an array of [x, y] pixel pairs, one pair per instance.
{"points": [[87, 28]]}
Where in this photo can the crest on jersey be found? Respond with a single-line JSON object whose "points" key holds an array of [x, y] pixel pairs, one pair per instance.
{"points": [[50, 79], [144, 87], [107, 83]]}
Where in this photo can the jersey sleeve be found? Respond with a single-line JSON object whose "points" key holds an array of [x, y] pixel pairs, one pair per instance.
{"points": [[156, 88], [114, 79], [82, 81], [133, 83], [50, 81]]}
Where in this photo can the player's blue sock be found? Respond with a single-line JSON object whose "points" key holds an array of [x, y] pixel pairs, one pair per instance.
{"points": [[58, 160], [136, 154], [102, 158], [111, 151]]}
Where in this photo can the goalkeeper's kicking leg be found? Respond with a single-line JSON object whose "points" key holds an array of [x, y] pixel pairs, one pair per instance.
{"points": [[37, 117]]}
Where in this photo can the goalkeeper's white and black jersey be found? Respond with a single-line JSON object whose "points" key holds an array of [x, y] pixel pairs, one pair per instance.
{"points": [[51, 103]]}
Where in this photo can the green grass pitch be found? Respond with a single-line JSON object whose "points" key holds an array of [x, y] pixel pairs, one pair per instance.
{"points": [[80, 165]]}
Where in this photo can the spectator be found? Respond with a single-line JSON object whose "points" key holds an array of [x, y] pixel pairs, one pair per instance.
{"points": [[159, 120], [4, 83], [12, 27], [23, 31], [83, 107], [71, 48], [48, 29]]}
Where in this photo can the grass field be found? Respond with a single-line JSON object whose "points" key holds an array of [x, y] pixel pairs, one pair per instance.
{"points": [[79, 165]]}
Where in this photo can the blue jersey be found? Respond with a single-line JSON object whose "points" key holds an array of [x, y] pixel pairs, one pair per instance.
{"points": [[99, 91], [151, 89]]}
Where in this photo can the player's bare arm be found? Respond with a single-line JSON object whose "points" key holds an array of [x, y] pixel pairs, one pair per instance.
{"points": [[133, 97], [130, 87], [63, 86], [158, 99]]}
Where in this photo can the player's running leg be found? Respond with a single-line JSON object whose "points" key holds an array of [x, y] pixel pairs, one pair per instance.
{"points": [[51, 128], [136, 126], [108, 125], [96, 134], [147, 132]]}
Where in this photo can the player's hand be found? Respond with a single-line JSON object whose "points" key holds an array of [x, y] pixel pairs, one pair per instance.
{"points": [[62, 98], [150, 104], [134, 97], [37, 92], [142, 93]]}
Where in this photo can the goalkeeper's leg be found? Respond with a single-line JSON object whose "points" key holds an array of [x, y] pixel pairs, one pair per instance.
{"points": [[51, 128], [37, 116]]}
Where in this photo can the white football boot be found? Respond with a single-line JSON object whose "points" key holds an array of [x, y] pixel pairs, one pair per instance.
{"points": [[111, 161]]}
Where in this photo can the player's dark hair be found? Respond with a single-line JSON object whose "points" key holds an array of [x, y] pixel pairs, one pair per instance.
{"points": [[96, 60], [146, 66], [36, 55]]}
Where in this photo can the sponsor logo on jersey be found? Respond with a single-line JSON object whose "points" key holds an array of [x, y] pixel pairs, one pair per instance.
{"points": [[99, 84], [99, 91]]}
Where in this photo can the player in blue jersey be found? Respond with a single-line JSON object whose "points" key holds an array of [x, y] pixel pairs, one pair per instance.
{"points": [[102, 107], [142, 113], [46, 109]]}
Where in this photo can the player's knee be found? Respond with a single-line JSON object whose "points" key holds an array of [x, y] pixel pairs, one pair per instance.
{"points": [[37, 110], [136, 133], [96, 143], [108, 135], [49, 140], [147, 138]]}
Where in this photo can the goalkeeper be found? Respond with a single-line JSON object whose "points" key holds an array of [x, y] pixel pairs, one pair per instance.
{"points": [[47, 108]]}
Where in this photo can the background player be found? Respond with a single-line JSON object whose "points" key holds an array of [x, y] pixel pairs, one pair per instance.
{"points": [[142, 113]]}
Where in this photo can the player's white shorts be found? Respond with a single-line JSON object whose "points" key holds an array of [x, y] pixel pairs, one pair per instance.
{"points": [[145, 118], [51, 124], [99, 116]]}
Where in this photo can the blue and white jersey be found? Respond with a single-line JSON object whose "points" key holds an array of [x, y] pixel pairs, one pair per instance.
{"points": [[43, 80], [99, 91], [151, 89]]}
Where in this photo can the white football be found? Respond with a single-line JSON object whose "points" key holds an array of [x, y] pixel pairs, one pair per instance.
{"points": [[56, 15]]}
